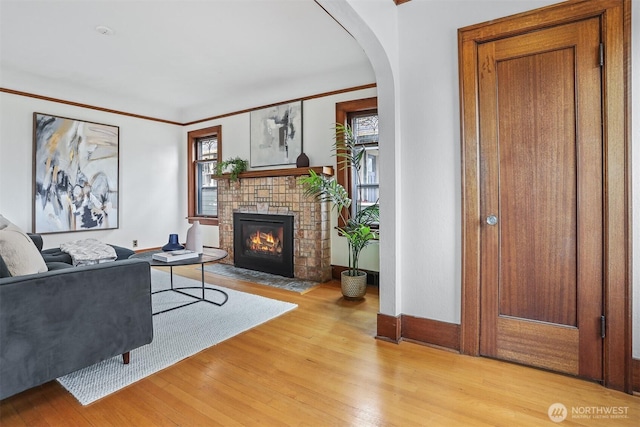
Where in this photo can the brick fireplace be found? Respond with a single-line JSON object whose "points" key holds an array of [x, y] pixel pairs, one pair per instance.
{"points": [[279, 192]]}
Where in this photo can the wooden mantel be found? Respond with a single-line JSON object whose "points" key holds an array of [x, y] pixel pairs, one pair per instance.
{"points": [[323, 170]]}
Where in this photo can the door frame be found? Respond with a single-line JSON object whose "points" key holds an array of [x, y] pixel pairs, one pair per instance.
{"points": [[615, 16]]}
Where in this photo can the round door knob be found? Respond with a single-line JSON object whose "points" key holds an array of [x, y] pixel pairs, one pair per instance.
{"points": [[492, 220]]}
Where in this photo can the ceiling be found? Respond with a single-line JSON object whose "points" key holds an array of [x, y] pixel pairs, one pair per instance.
{"points": [[183, 58]]}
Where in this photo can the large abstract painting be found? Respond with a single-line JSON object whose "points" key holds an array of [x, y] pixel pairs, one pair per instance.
{"points": [[75, 167], [276, 134]]}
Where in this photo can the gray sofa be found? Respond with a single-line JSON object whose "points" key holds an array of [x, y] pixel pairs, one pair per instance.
{"points": [[68, 318]]}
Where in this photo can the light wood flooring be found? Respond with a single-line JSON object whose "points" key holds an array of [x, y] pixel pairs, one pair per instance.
{"points": [[320, 365]]}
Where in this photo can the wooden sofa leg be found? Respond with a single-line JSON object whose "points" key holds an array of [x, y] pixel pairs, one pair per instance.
{"points": [[125, 358]]}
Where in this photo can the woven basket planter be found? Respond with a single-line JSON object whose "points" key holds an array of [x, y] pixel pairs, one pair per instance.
{"points": [[354, 287]]}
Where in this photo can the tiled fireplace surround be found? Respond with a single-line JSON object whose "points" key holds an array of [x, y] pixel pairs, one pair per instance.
{"points": [[279, 192]]}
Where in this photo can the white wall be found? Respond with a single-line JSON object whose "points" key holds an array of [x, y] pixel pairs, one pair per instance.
{"points": [[319, 115], [420, 43], [428, 143], [373, 23], [413, 48], [153, 176], [43, 86], [152, 173], [429, 98]]}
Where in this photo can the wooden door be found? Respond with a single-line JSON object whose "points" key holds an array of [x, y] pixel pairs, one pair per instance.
{"points": [[541, 197]]}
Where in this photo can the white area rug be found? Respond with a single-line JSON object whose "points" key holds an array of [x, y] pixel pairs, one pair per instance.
{"points": [[177, 335]]}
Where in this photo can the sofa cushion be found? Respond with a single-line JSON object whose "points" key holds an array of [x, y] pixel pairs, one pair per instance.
{"points": [[19, 253], [53, 266], [37, 240], [122, 253], [4, 271], [56, 255]]}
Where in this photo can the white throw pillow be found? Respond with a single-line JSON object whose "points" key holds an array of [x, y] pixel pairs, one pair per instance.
{"points": [[18, 251]]}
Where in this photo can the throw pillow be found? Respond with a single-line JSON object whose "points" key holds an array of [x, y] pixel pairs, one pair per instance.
{"points": [[18, 251]]}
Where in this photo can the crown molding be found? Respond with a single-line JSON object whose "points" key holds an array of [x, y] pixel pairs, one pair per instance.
{"points": [[156, 119]]}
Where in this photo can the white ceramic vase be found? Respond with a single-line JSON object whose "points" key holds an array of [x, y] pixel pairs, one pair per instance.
{"points": [[194, 238]]}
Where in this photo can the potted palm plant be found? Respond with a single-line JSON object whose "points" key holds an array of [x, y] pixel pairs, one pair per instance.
{"points": [[358, 221]]}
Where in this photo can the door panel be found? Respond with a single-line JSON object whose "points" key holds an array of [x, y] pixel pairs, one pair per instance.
{"points": [[537, 129], [558, 350], [541, 175]]}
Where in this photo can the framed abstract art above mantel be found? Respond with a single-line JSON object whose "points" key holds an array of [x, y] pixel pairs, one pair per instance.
{"points": [[75, 175], [276, 134]]}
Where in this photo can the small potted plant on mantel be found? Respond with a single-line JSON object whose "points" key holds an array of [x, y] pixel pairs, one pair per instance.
{"points": [[233, 166], [358, 222]]}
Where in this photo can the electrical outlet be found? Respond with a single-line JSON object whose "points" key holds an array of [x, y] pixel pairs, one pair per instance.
{"points": [[135, 243]]}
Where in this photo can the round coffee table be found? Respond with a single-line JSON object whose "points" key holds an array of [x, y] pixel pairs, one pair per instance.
{"points": [[212, 255]]}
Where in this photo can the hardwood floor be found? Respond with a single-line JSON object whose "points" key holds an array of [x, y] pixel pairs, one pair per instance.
{"points": [[320, 365]]}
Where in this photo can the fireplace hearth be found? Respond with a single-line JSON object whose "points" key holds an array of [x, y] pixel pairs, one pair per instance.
{"points": [[280, 192], [263, 242]]}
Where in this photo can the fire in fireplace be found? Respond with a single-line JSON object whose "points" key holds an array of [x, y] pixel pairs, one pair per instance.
{"points": [[263, 242]]}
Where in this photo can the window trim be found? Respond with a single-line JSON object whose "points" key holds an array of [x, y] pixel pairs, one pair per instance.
{"points": [[192, 139], [343, 109]]}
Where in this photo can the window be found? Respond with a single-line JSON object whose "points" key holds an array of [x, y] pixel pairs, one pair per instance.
{"points": [[206, 185], [204, 150], [362, 116], [365, 130]]}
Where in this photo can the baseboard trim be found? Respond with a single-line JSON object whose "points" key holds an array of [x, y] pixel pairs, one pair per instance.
{"points": [[418, 329], [442, 334], [389, 328], [430, 331]]}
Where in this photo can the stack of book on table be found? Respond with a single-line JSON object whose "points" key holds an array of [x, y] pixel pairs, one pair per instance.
{"points": [[173, 256]]}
